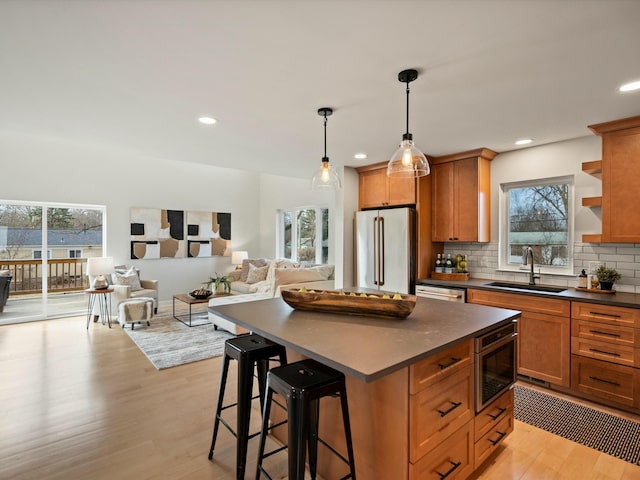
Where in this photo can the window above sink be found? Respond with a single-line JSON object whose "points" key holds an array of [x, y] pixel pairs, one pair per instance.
{"points": [[537, 214]]}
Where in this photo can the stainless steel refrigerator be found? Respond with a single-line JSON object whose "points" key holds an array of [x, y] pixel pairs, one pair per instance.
{"points": [[385, 249]]}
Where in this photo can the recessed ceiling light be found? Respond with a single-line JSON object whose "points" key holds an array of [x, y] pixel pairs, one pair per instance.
{"points": [[524, 141], [630, 87], [207, 120], [360, 156]]}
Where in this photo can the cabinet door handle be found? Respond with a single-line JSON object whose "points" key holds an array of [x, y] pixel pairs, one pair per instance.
{"points": [[500, 412], [613, 354], [609, 334], [453, 361], [501, 436], [612, 315], [608, 382], [450, 471], [454, 405]]}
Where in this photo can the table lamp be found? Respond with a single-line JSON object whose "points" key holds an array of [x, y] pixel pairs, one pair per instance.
{"points": [[237, 257], [100, 269]]}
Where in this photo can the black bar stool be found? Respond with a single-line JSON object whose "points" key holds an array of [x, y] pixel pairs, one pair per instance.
{"points": [[250, 351], [303, 384]]}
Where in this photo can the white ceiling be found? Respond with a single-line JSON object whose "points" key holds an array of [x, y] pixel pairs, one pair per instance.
{"points": [[136, 75]]}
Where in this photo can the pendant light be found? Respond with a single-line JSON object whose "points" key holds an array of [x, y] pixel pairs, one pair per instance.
{"points": [[326, 178], [408, 161]]}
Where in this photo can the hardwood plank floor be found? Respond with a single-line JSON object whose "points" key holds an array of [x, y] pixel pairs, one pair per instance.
{"points": [[78, 404]]}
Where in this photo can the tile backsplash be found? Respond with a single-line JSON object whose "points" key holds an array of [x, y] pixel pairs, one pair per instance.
{"points": [[482, 262]]}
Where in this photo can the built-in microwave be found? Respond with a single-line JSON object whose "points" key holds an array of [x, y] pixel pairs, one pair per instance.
{"points": [[495, 363]]}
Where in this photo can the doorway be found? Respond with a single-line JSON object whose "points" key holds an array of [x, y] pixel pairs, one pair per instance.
{"points": [[44, 248]]}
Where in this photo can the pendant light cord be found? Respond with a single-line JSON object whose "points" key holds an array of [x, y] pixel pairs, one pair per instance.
{"points": [[407, 108], [325, 138]]}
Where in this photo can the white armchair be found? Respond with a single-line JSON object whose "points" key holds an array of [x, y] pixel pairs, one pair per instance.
{"points": [[127, 284]]}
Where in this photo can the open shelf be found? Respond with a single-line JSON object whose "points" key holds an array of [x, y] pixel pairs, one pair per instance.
{"points": [[592, 202], [593, 168]]}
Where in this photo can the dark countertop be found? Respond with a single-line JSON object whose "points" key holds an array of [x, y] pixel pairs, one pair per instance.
{"points": [[367, 348], [620, 299]]}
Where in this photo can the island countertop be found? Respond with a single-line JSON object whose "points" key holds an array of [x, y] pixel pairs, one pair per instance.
{"points": [[366, 347]]}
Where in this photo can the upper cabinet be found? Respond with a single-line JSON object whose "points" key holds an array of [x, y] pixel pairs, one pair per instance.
{"points": [[620, 172], [376, 189], [460, 186]]}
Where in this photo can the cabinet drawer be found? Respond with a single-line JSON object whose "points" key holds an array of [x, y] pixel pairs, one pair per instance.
{"points": [[606, 314], [493, 413], [440, 365], [452, 459], [604, 332], [487, 444], [516, 301], [605, 380], [436, 412], [609, 352]]}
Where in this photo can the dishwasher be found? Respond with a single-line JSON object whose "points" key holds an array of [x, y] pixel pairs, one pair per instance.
{"points": [[449, 294]]}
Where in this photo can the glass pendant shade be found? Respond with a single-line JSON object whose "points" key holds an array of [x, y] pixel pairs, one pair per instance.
{"points": [[325, 178], [408, 161]]}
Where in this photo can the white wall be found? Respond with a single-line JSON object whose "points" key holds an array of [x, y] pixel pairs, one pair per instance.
{"points": [[35, 169]]}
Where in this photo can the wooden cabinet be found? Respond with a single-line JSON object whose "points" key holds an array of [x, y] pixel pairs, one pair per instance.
{"points": [[376, 189], [605, 352], [461, 209], [492, 425], [441, 413], [544, 333], [620, 171]]}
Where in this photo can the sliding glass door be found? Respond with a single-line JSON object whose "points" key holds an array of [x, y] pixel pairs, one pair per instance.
{"points": [[43, 249]]}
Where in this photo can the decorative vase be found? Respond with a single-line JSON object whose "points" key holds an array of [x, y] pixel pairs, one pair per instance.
{"points": [[606, 285]]}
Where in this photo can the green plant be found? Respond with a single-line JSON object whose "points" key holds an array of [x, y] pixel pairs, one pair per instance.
{"points": [[607, 275], [218, 280]]}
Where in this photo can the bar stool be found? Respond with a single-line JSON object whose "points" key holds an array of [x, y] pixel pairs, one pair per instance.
{"points": [[303, 384], [250, 351]]}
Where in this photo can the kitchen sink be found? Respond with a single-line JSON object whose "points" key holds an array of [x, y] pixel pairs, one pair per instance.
{"points": [[524, 286]]}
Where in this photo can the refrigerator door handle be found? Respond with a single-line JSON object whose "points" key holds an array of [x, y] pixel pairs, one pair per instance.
{"points": [[381, 252], [376, 249]]}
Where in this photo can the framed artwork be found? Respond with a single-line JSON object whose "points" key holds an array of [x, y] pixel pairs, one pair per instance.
{"points": [[157, 233]]}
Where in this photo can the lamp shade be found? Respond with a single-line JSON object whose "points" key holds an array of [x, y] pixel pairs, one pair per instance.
{"points": [[99, 270], [408, 161], [238, 256], [326, 178]]}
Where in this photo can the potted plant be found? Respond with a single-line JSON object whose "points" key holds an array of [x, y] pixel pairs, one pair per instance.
{"points": [[219, 281], [607, 277]]}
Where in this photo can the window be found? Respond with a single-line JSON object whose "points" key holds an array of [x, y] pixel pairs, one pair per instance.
{"points": [[303, 234], [37, 254], [538, 214], [75, 253]]}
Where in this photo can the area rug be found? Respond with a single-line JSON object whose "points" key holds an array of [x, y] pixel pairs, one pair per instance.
{"points": [[610, 434], [168, 342]]}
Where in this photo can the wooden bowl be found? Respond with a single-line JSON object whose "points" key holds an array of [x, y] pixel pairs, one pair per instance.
{"points": [[348, 303], [200, 296]]}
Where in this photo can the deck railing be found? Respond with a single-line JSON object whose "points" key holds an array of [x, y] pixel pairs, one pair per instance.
{"points": [[63, 275]]}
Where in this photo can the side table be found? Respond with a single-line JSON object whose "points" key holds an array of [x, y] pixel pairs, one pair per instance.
{"points": [[189, 300], [104, 303]]}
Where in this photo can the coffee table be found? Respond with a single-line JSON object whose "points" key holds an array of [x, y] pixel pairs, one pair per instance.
{"points": [[186, 315]]}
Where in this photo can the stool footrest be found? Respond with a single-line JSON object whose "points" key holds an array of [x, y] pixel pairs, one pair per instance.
{"points": [[337, 453]]}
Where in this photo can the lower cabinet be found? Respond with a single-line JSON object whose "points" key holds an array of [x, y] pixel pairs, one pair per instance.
{"points": [[605, 380], [492, 425], [447, 439]]}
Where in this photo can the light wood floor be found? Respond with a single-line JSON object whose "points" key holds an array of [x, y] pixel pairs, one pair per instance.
{"points": [[78, 404]]}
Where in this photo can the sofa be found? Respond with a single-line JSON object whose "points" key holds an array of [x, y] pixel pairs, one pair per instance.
{"points": [[262, 275], [266, 283]]}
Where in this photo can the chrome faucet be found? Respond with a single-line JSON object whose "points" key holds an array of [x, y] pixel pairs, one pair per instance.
{"points": [[532, 276]]}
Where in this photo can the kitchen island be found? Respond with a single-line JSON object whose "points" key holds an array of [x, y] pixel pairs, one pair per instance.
{"points": [[398, 372]]}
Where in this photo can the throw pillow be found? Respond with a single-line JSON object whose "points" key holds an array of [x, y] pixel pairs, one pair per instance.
{"points": [[258, 262], [257, 274], [130, 278]]}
